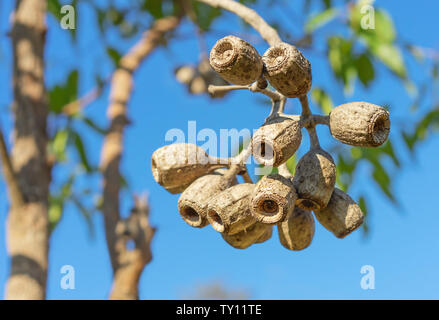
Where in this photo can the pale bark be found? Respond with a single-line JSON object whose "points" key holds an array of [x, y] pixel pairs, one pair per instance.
{"points": [[28, 232]]}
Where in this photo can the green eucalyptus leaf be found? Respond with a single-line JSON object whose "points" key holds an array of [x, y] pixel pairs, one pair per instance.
{"points": [[319, 20]]}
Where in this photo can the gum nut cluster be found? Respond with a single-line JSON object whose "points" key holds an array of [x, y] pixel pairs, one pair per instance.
{"points": [[245, 213]]}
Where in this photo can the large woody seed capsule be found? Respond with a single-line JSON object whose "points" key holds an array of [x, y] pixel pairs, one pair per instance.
{"points": [[276, 141], [256, 233], [273, 199], [360, 124], [236, 60], [192, 203], [297, 232], [341, 216], [287, 70], [176, 166], [314, 179], [229, 211]]}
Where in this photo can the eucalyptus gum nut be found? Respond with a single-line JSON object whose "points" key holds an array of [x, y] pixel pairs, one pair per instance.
{"points": [[276, 141], [341, 216], [360, 124], [229, 211], [256, 233], [266, 235], [193, 202], [287, 70], [176, 166], [314, 179], [185, 74], [273, 199], [297, 232], [236, 61]]}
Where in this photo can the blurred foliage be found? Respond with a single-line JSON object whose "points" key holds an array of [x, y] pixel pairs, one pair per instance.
{"points": [[330, 28]]}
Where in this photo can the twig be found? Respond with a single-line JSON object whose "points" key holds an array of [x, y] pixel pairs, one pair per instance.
{"points": [[306, 113], [250, 16], [219, 90], [284, 171]]}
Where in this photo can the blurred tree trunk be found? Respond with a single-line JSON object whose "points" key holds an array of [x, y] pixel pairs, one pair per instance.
{"points": [[127, 264], [28, 183]]}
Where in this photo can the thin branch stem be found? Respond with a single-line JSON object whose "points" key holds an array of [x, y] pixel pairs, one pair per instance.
{"points": [[250, 16], [219, 90], [284, 171], [306, 113]]}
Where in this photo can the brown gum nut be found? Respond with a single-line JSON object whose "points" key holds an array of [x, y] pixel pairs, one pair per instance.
{"points": [[256, 233], [192, 203], [273, 199], [176, 166], [360, 124], [287, 70], [276, 141], [236, 60], [314, 179], [341, 216], [229, 211], [297, 232]]}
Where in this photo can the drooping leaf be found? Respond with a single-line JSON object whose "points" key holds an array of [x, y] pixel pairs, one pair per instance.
{"points": [[205, 15], [62, 94], [322, 99], [319, 20], [154, 7], [79, 145], [114, 55], [365, 70]]}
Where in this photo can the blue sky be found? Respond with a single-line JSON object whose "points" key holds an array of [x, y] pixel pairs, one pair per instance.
{"points": [[402, 245]]}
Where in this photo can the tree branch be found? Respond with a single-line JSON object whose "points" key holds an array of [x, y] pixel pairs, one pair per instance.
{"points": [[250, 16], [16, 196], [124, 264]]}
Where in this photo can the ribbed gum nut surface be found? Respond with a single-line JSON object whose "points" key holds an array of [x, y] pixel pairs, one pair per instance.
{"points": [[360, 124], [176, 166], [341, 216], [297, 232], [192, 203], [256, 233], [276, 141], [287, 70], [229, 211], [314, 179], [236, 60], [273, 199]]}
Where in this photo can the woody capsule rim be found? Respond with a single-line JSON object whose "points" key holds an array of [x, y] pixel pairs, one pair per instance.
{"points": [[191, 216], [215, 221], [275, 54], [379, 127], [224, 54]]}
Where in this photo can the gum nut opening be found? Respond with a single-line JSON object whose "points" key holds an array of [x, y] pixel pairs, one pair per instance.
{"points": [[380, 127], [216, 221], [268, 207], [308, 204], [223, 53], [191, 215], [274, 57]]}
